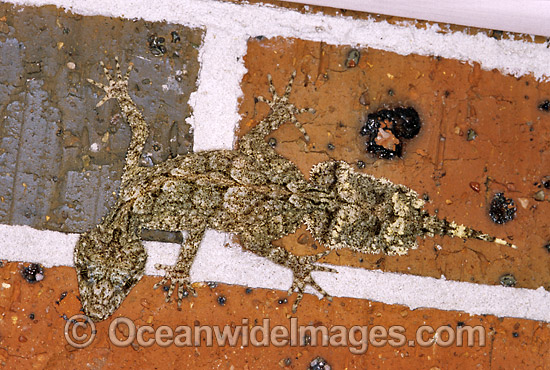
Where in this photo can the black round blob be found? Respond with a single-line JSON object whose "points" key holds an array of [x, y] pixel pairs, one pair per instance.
{"points": [[399, 124], [156, 45], [502, 209], [33, 273], [545, 106], [406, 123]]}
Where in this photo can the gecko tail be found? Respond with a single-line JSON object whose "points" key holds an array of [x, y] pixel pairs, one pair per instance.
{"points": [[434, 225]]}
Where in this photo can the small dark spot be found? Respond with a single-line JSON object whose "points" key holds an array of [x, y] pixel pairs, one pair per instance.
{"points": [[260, 37], [526, 97], [426, 197], [319, 363], [185, 294], [61, 297], [156, 45], [59, 132], [222, 300], [33, 273], [282, 301], [471, 135], [360, 164], [175, 36], [502, 209], [361, 260], [546, 182], [248, 290], [31, 316], [146, 81], [515, 334], [330, 146], [166, 288], [545, 106], [287, 361], [212, 284], [446, 93], [352, 59], [272, 142], [306, 340], [390, 92], [508, 280], [547, 246], [460, 324], [66, 30], [496, 34]]}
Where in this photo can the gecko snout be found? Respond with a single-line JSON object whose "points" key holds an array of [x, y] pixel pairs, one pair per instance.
{"points": [[108, 265]]}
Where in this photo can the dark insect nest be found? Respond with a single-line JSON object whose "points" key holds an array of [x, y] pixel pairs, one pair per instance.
{"points": [[386, 129], [502, 209]]}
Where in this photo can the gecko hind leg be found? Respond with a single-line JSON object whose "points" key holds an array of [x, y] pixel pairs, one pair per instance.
{"points": [[281, 106], [281, 111], [302, 267]]}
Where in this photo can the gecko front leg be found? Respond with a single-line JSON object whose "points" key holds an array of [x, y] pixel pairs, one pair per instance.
{"points": [[117, 88], [178, 274]]}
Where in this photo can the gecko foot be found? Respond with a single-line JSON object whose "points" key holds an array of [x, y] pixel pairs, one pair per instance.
{"points": [[281, 106], [302, 267], [176, 275], [118, 84]]}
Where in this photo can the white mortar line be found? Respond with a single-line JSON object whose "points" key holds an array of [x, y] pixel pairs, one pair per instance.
{"points": [[241, 20], [232, 265], [506, 15]]}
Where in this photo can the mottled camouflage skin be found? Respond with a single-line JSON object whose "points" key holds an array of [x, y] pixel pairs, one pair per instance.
{"points": [[252, 192]]}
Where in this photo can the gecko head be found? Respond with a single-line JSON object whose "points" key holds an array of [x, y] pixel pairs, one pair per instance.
{"points": [[108, 265]]}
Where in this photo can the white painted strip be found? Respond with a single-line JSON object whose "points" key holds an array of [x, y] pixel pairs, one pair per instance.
{"points": [[239, 21], [232, 265], [527, 16]]}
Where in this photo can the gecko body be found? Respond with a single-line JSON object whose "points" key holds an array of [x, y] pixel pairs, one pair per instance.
{"points": [[252, 192]]}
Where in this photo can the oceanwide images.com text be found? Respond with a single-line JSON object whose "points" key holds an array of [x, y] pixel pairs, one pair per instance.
{"points": [[80, 332]]}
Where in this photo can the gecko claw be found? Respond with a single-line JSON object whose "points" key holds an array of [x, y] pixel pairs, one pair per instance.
{"points": [[117, 86], [175, 276], [302, 267]]}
